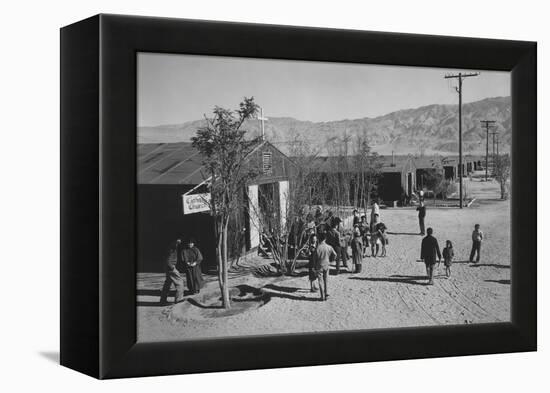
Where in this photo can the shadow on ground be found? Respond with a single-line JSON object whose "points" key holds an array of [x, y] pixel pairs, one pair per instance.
{"points": [[156, 293], [507, 282], [52, 356], [490, 265], [413, 280]]}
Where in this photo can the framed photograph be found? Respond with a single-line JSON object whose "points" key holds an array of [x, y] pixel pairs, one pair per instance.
{"points": [[239, 196]]}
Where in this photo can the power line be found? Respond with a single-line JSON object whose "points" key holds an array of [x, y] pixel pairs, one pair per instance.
{"points": [[460, 76], [487, 124]]}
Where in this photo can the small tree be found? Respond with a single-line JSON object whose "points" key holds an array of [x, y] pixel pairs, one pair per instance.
{"points": [[224, 147], [445, 187], [285, 220], [502, 173], [368, 171]]}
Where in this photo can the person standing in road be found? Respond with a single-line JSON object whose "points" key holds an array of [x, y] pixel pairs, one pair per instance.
{"points": [[357, 250], [374, 239], [312, 246], [382, 236], [174, 267], [375, 210], [365, 234], [429, 252], [323, 255], [421, 215], [345, 239], [356, 217], [477, 237], [192, 259], [448, 255], [333, 240]]}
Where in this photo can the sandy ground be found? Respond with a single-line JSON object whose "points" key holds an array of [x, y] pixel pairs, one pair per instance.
{"points": [[389, 292]]}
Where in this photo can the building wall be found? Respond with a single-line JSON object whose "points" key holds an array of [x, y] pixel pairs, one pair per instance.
{"points": [[408, 168], [450, 172], [253, 209], [160, 221], [395, 183], [390, 186], [281, 166], [283, 200]]}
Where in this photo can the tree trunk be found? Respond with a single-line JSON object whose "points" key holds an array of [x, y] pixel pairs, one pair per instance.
{"points": [[224, 282], [219, 256]]}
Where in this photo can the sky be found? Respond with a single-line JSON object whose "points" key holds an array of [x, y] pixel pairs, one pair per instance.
{"points": [[175, 88]]}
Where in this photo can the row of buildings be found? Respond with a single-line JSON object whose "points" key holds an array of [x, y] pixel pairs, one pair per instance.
{"points": [[172, 193]]}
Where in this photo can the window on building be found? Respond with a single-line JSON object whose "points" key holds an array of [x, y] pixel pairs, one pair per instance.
{"points": [[267, 163]]}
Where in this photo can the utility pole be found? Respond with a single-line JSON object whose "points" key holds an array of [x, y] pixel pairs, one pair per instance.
{"points": [[487, 124], [494, 133], [460, 76]]}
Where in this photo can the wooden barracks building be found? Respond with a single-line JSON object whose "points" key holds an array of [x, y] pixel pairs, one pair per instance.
{"points": [[401, 175], [171, 204]]}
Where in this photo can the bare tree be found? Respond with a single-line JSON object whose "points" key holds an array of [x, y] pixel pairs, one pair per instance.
{"points": [[368, 171], [282, 218], [223, 144], [300, 200]]}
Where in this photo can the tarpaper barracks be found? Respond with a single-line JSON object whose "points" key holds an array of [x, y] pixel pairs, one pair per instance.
{"points": [[172, 190]]}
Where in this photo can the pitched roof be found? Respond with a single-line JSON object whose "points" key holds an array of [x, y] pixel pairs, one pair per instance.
{"points": [[426, 162], [352, 163], [174, 163], [169, 163]]}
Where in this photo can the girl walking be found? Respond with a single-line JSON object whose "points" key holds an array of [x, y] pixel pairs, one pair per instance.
{"points": [[448, 255]]}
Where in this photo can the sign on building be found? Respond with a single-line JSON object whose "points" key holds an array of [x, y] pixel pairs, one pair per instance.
{"points": [[196, 203]]}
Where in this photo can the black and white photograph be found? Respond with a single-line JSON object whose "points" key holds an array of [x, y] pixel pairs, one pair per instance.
{"points": [[284, 196]]}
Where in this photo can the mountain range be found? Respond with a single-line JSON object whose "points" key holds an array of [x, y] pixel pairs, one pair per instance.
{"points": [[431, 129]]}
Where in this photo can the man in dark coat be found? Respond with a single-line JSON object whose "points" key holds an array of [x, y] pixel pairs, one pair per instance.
{"points": [[333, 240], [421, 215], [174, 267], [192, 259], [429, 252]]}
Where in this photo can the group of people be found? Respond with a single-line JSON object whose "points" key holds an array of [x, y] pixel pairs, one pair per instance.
{"points": [[329, 242], [182, 260], [326, 246], [430, 253], [430, 248]]}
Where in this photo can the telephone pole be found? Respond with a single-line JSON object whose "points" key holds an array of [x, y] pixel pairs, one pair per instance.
{"points": [[487, 124], [460, 76], [494, 133]]}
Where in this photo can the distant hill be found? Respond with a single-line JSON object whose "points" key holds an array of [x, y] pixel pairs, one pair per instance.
{"points": [[428, 129]]}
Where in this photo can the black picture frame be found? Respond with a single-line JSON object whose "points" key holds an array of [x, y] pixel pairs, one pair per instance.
{"points": [[98, 195]]}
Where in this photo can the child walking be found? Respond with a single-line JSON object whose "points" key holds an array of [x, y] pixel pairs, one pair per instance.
{"points": [[312, 274], [383, 236], [448, 255], [477, 237]]}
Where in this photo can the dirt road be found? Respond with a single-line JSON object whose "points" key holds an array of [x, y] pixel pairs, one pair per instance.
{"points": [[389, 292]]}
